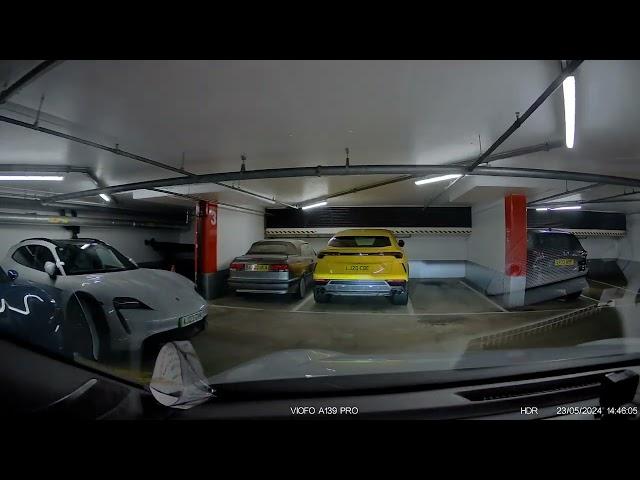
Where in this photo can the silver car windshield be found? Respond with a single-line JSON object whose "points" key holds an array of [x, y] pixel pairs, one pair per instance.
{"points": [[90, 257]]}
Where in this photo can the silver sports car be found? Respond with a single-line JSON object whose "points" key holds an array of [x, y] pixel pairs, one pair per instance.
{"points": [[274, 266], [110, 304]]}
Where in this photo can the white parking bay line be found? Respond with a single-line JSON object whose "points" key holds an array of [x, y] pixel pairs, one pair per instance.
{"points": [[483, 296], [410, 307], [592, 299], [303, 302], [614, 286], [234, 307]]}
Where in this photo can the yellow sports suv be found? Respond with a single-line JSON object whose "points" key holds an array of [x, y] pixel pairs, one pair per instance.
{"points": [[362, 262]]}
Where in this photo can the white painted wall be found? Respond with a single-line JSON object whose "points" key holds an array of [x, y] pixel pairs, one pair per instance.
{"points": [[237, 230], [629, 245], [486, 244], [601, 247]]}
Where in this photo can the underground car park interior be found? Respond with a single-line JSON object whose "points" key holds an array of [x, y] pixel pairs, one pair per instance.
{"points": [[385, 239]]}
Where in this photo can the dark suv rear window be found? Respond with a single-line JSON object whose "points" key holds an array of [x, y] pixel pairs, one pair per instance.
{"points": [[558, 241], [372, 241]]}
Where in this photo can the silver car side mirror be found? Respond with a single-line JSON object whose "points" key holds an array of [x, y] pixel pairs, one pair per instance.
{"points": [[50, 268], [178, 379]]}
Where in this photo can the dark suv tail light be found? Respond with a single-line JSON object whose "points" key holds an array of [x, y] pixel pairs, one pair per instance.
{"points": [[236, 267], [279, 267]]}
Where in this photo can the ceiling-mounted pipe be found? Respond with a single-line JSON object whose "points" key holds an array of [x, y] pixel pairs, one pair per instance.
{"points": [[609, 199], [355, 170], [542, 147], [564, 194], [30, 76], [195, 198], [123, 153], [27, 168], [570, 68], [54, 220], [115, 151]]}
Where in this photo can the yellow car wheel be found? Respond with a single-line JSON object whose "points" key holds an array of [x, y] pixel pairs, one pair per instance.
{"points": [[400, 298], [320, 297]]}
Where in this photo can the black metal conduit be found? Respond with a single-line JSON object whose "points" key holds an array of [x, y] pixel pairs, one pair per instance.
{"points": [[27, 78], [542, 147], [564, 194], [355, 170], [195, 198], [123, 153], [570, 68], [114, 150]]}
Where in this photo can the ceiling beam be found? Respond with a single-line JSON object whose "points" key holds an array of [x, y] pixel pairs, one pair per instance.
{"points": [[570, 68], [355, 170], [27, 78]]}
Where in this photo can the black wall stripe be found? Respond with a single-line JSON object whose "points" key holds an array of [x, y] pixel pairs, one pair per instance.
{"points": [[576, 219], [369, 217]]}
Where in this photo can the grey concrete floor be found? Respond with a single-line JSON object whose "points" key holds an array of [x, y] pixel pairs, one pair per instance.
{"points": [[442, 316]]}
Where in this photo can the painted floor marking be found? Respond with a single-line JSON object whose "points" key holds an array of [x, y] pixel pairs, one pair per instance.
{"points": [[614, 286], [410, 307], [303, 302], [483, 296], [431, 314], [593, 299]]}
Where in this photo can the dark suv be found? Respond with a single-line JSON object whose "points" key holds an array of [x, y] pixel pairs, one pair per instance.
{"points": [[554, 256]]}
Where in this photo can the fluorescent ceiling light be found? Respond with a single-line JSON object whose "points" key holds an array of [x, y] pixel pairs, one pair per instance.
{"points": [[27, 178], [569, 91], [105, 197], [314, 205], [574, 207], [438, 179], [542, 209]]}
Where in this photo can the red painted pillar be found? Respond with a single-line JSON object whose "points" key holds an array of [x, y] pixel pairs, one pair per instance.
{"points": [[515, 219], [206, 248]]}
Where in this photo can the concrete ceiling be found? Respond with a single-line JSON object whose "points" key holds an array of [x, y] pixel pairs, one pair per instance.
{"points": [[304, 113]]}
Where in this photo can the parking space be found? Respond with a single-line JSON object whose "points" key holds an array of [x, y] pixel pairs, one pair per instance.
{"points": [[443, 315]]}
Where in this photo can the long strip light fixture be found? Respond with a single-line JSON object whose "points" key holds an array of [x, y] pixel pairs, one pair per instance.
{"points": [[314, 205], [569, 92], [31, 178], [571, 207], [437, 179]]}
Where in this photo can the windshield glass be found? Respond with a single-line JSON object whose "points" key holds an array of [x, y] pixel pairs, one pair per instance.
{"points": [[369, 241], [273, 248], [91, 257], [323, 218]]}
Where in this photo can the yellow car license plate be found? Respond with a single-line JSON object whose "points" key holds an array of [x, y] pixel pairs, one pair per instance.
{"points": [[565, 262], [357, 268]]}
